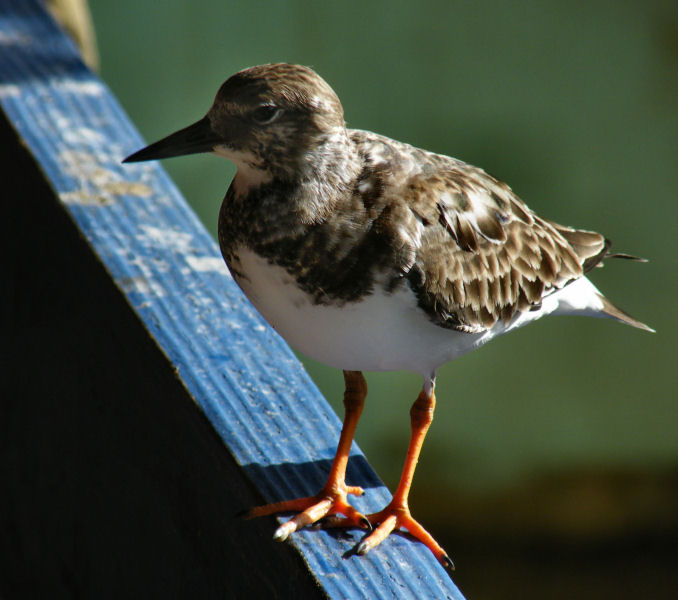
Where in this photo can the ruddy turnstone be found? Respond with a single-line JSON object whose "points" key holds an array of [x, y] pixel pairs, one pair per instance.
{"points": [[368, 254]]}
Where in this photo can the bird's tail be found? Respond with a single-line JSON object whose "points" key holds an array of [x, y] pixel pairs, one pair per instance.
{"points": [[613, 312], [616, 313], [592, 248]]}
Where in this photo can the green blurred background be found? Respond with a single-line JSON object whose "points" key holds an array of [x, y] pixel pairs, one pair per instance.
{"points": [[551, 469]]}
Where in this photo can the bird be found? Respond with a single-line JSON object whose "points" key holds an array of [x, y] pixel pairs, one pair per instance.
{"points": [[369, 254]]}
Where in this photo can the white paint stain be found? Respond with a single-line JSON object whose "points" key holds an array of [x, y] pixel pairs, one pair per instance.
{"points": [[85, 198], [143, 286], [207, 263], [14, 38], [145, 283], [79, 135], [75, 86], [97, 185], [9, 90], [178, 241]]}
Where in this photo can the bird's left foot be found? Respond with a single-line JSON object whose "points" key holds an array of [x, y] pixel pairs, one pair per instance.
{"points": [[396, 516]]}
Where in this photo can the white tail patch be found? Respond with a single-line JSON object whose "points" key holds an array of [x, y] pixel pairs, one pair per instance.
{"points": [[581, 298]]}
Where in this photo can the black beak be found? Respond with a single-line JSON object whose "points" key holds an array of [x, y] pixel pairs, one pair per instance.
{"points": [[193, 139]]}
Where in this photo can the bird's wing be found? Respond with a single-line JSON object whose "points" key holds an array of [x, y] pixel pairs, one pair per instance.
{"points": [[483, 255]]}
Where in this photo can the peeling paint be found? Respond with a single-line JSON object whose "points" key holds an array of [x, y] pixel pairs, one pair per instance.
{"points": [[128, 188], [14, 38], [86, 198], [200, 301], [99, 185], [82, 134], [178, 241], [146, 283], [207, 263], [75, 86], [86, 166], [9, 90], [141, 285]]}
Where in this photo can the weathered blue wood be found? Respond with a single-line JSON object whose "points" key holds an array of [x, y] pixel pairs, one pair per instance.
{"points": [[268, 413]]}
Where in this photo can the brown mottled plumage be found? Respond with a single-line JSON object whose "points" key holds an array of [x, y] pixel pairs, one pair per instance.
{"points": [[369, 254]]}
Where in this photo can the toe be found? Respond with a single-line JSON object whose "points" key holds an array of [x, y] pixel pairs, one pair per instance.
{"points": [[378, 535], [354, 490], [311, 509], [416, 530], [393, 517]]}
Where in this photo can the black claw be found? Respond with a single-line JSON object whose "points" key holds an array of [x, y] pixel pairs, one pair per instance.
{"points": [[242, 514], [366, 523], [447, 563], [362, 548]]}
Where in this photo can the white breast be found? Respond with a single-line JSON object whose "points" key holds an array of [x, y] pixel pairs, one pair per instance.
{"points": [[384, 331]]}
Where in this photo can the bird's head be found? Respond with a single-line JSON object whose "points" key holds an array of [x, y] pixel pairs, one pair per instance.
{"points": [[266, 119]]}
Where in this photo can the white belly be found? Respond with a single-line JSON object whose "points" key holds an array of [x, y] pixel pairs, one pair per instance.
{"points": [[383, 332]]}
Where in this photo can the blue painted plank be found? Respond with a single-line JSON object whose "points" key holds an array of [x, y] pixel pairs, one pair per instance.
{"points": [[270, 415]]}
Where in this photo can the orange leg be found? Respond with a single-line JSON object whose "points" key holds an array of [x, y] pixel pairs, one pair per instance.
{"points": [[397, 513], [332, 498]]}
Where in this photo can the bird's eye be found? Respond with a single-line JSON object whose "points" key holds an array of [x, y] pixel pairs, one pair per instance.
{"points": [[265, 114]]}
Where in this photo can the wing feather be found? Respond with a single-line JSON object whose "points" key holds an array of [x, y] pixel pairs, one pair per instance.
{"points": [[483, 254]]}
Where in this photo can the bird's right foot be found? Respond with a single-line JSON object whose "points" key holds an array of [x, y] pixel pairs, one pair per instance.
{"points": [[330, 502]]}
